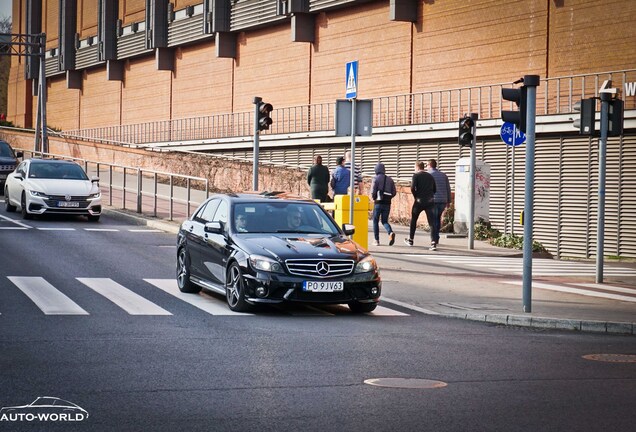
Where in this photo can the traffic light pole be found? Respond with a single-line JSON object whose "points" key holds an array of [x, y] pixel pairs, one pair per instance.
{"points": [[602, 155], [531, 82], [257, 103], [473, 167]]}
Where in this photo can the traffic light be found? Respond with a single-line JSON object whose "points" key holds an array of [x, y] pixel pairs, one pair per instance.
{"points": [[586, 123], [518, 96], [466, 124], [264, 120], [615, 126]]}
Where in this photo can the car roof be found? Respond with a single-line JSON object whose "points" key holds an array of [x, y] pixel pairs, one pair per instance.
{"points": [[264, 197]]}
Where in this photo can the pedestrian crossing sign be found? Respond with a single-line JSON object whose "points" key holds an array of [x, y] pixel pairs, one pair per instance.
{"points": [[351, 80]]}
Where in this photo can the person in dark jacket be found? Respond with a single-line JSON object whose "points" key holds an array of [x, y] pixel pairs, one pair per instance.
{"points": [[318, 180], [382, 191], [441, 200], [423, 189]]}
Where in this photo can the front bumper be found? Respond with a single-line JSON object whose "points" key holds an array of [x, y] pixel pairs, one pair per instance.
{"points": [[51, 205], [362, 287]]}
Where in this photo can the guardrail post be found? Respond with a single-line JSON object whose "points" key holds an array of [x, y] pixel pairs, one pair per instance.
{"points": [[123, 190], [188, 203], [155, 196], [171, 198]]}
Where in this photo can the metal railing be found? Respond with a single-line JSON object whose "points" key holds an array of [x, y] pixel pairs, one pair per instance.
{"points": [[554, 96], [156, 193]]}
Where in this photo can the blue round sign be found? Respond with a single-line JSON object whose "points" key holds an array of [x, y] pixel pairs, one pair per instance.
{"points": [[511, 135]]}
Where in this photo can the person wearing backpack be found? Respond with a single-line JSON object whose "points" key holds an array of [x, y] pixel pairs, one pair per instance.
{"points": [[382, 191]]}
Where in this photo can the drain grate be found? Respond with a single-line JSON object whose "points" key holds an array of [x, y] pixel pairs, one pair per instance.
{"points": [[410, 383], [612, 358]]}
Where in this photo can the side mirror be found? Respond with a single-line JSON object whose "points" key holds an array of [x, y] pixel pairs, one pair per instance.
{"points": [[19, 154], [94, 179], [349, 229], [213, 227], [19, 176]]}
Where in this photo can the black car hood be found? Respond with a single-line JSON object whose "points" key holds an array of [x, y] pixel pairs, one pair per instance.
{"points": [[290, 246]]}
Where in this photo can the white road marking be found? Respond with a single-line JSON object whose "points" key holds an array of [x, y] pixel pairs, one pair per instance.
{"points": [[202, 301], [101, 229], [131, 302], [15, 222], [409, 306], [55, 229], [145, 230], [46, 296]]}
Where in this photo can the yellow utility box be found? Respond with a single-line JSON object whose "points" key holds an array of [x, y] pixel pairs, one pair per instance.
{"points": [[360, 216]]}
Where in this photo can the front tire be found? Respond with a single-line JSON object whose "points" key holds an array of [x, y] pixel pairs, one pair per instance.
{"points": [[357, 307], [183, 273], [235, 290], [23, 207], [10, 207]]}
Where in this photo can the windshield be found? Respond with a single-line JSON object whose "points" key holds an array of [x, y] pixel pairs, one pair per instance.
{"points": [[62, 170], [5, 150], [282, 217]]}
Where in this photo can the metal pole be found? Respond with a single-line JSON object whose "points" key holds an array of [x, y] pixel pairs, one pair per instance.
{"points": [[512, 176], [353, 160], [602, 154], [42, 93], [473, 167], [531, 82], [257, 104]]}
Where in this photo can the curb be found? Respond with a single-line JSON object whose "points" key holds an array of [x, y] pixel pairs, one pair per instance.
{"points": [[167, 226]]}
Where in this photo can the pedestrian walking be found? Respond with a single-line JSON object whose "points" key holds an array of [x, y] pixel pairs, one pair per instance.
{"points": [[441, 201], [382, 191], [340, 178], [423, 190], [318, 180], [357, 173]]}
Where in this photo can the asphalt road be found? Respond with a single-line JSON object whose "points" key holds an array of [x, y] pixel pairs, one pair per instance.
{"points": [[157, 362]]}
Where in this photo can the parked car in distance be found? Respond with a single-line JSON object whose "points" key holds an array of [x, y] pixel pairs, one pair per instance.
{"points": [[52, 186], [8, 161], [273, 248]]}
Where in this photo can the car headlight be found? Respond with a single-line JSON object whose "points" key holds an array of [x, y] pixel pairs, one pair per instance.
{"points": [[265, 264], [38, 194], [95, 195], [367, 264]]}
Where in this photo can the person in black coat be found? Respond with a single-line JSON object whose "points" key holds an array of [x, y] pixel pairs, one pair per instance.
{"points": [[318, 180], [382, 191], [423, 189]]}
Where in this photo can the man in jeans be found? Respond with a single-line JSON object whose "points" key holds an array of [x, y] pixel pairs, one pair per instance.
{"points": [[382, 191], [441, 201], [423, 190]]}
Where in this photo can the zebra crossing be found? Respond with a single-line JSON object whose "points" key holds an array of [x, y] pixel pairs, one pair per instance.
{"points": [[548, 267], [540, 266], [52, 301]]}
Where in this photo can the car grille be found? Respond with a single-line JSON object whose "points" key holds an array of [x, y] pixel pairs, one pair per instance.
{"points": [[7, 167], [73, 197], [54, 199], [311, 267]]}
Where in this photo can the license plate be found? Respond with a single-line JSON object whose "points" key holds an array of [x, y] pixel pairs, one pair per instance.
{"points": [[67, 204], [323, 286]]}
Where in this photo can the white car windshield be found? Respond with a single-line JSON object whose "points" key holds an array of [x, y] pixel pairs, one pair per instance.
{"points": [[62, 170], [282, 217]]}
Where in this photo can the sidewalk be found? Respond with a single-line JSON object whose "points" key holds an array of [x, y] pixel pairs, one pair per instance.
{"points": [[486, 297]]}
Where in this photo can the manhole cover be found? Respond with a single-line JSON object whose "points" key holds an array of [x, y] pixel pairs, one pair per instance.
{"points": [[614, 358], [412, 383]]}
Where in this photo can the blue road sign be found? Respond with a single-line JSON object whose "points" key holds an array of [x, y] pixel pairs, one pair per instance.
{"points": [[351, 80], [511, 135]]}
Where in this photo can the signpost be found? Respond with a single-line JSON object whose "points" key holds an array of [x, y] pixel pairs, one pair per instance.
{"points": [[351, 92], [513, 138]]}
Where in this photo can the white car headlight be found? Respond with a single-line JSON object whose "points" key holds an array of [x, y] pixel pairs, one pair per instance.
{"points": [[367, 264], [265, 264], [38, 194], [95, 195]]}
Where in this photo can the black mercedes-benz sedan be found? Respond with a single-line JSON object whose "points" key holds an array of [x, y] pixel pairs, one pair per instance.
{"points": [[274, 248]]}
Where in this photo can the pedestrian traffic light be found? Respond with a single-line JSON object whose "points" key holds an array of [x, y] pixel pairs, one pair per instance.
{"points": [[264, 120], [466, 124], [518, 96], [586, 123], [615, 126]]}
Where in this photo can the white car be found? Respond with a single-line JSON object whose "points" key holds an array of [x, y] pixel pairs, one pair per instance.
{"points": [[52, 186]]}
